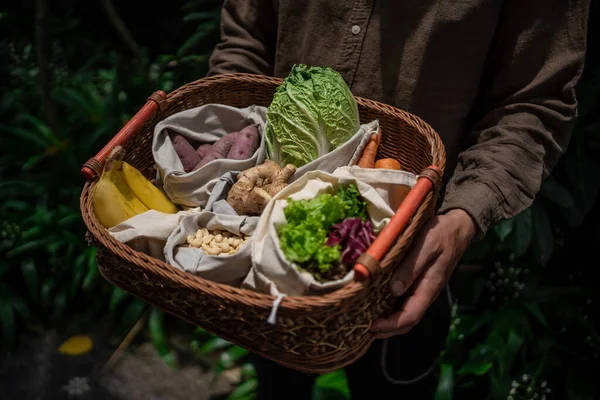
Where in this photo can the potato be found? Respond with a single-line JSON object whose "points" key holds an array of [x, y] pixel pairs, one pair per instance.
{"points": [[204, 150], [186, 153], [245, 144]]}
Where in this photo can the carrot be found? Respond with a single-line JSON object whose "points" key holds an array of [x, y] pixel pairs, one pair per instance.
{"points": [[394, 228], [387, 163], [367, 159]]}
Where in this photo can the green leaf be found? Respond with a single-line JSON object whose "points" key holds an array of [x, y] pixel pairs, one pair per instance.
{"points": [[445, 387], [535, 310], [8, 321], [199, 16], [47, 290], [31, 245], [499, 387], [21, 308], [333, 385], [158, 337], [29, 271], [190, 43], [232, 355], [60, 303], [92, 270], [116, 297], [244, 390], [214, 344], [134, 311], [543, 239], [475, 368], [28, 136], [521, 239], [504, 228], [556, 193], [17, 205], [513, 345]]}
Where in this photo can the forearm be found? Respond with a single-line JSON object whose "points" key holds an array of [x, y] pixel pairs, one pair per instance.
{"points": [[248, 34], [530, 108]]}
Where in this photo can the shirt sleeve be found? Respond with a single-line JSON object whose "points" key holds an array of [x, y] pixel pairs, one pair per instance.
{"points": [[248, 34], [527, 108]]}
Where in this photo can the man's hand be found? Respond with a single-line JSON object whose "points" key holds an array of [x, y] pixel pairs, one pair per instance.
{"points": [[426, 269]]}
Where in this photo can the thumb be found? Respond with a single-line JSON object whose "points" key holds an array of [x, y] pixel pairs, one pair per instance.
{"points": [[424, 251]]}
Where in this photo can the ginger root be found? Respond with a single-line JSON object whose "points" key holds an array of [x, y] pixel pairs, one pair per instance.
{"points": [[257, 185]]}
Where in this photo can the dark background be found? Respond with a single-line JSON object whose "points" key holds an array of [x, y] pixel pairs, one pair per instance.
{"points": [[72, 73]]}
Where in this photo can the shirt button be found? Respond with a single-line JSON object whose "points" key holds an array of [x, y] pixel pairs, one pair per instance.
{"points": [[356, 29]]}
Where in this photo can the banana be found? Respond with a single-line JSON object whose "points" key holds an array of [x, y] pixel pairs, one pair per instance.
{"points": [[144, 190], [123, 192], [110, 205]]}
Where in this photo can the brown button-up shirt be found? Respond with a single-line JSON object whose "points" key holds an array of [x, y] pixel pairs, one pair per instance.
{"points": [[494, 78]]}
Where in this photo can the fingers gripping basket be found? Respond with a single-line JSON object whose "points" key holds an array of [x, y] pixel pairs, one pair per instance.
{"points": [[314, 334]]}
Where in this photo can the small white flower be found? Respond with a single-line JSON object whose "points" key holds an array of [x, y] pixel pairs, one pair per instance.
{"points": [[513, 391], [500, 271], [544, 384], [77, 386], [461, 336], [529, 389], [511, 257], [516, 295], [515, 384], [510, 398], [525, 378], [506, 281], [457, 321]]}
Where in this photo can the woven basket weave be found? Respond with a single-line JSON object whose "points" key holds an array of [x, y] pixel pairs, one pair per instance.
{"points": [[313, 334]]}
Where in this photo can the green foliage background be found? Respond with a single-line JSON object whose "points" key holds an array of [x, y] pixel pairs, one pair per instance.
{"points": [[526, 315]]}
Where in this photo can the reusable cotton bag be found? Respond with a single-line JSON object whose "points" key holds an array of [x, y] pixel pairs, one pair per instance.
{"points": [[228, 269], [271, 272], [148, 232], [204, 124], [347, 154]]}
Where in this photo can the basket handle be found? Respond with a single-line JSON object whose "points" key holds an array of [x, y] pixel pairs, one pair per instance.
{"points": [[368, 262], [156, 101]]}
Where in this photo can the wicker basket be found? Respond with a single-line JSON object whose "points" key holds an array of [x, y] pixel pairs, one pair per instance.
{"points": [[313, 334]]}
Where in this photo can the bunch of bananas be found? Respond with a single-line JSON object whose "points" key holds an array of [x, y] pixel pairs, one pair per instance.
{"points": [[123, 192]]}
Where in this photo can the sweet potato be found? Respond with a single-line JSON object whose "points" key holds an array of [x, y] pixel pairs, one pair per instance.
{"points": [[204, 150], [186, 153], [245, 144], [223, 145], [209, 157]]}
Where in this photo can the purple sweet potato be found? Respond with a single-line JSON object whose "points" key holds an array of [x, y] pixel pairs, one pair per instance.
{"points": [[245, 144], [209, 157], [204, 150], [186, 153], [223, 145]]}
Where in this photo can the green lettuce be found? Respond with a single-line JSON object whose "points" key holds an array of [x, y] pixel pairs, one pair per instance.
{"points": [[308, 222], [313, 112]]}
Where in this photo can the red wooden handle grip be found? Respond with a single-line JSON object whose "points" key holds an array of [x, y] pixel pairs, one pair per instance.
{"points": [[92, 167], [390, 233]]}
